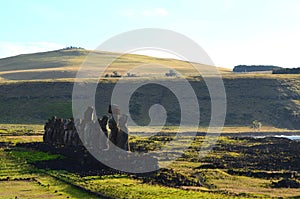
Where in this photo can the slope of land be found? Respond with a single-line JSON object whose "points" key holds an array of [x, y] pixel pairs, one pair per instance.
{"points": [[66, 62], [36, 86]]}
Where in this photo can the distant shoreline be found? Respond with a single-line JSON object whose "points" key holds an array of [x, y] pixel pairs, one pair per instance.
{"points": [[239, 134]]}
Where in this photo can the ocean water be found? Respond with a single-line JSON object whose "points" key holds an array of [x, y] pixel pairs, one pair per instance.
{"points": [[291, 137]]}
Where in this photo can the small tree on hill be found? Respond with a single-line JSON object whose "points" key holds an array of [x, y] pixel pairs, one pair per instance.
{"points": [[256, 125], [171, 73]]}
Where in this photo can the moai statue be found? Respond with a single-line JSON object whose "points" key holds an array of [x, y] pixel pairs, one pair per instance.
{"points": [[87, 124], [66, 132], [104, 134], [65, 123], [60, 138], [114, 110], [91, 130], [103, 124], [71, 130], [47, 131], [55, 131], [50, 130], [123, 133], [75, 139]]}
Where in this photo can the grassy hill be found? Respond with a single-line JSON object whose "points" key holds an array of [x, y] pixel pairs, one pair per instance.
{"points": [[64, 64], [34, 87]]}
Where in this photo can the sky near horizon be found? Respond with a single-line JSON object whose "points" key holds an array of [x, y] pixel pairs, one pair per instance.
{"points": [[232, 32]]}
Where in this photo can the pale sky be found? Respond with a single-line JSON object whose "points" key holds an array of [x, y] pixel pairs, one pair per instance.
{"points": [[232, 32]]}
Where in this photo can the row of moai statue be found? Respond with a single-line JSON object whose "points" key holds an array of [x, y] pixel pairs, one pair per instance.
{"points": [[89, 132]]}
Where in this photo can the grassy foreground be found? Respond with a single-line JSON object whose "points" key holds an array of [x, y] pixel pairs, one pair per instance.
{"points": [[19, 178], [236, 168]]}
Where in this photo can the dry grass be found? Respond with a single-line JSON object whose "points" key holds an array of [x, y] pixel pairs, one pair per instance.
{"points": [[225, 129], [65, 63], [243, 184], [25, 190]]}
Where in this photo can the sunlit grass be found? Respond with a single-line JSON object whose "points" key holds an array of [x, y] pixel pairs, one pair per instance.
{"points": [[15, 164]]}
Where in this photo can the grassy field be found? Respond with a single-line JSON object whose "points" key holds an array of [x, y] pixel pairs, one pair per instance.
{"points": [[19, 178], [226, 172]]}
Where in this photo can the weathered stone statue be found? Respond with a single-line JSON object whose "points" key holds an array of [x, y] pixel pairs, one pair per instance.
{"points": [[62, 132], [65, 133], [56, 131], [104, 138], [70, 128], [94, 135], [122, 140], [103, 124], [47, 131], [75, 139], [87, 125], [114, 130], [114, 111]]}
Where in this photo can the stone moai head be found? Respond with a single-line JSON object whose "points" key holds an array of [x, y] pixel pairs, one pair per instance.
{"points": [[89, 114], [123, 120], [104, 119], [115, 111]]}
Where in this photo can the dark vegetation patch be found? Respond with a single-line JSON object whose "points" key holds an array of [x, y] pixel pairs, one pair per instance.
{"points": [[270, 101], [268, 154], [287, 71], [75, 160], [267, 158], [78, 160], [169, 177], [254, 68], [28, 179], [286, 183], [261, 174]]}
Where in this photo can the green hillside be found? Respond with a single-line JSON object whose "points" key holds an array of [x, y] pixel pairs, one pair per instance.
{"points": [[271, 101], [36, 86]]}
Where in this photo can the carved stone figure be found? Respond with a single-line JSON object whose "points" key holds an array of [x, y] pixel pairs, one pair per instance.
{"points": [[87, 126], [64, 132], [47, 132], [122, 140], [75, 139], [114, 130], [104, 138], [114, 111], [103, 124]]}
